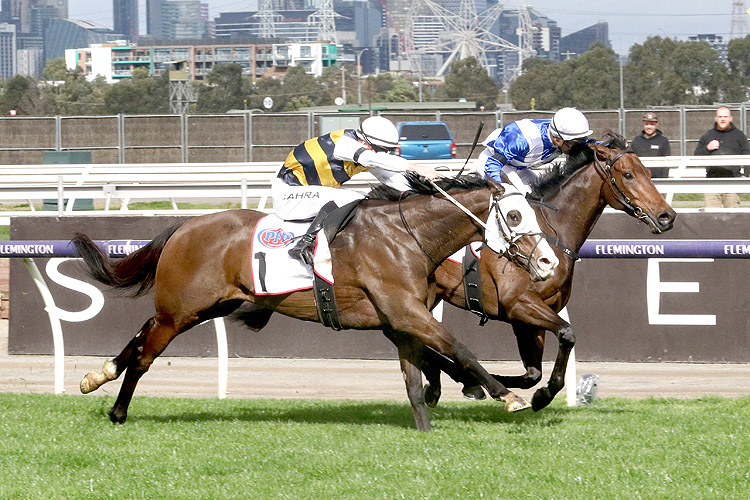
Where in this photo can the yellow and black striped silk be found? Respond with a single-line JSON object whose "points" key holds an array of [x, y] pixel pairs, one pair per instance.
{"points": [[312, 163]]}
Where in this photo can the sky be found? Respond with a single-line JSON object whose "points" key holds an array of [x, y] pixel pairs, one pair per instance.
{"points": [[630, 21]]}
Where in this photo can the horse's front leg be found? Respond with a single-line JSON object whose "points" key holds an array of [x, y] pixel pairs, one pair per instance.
{"points": [[412, 317], [544, 395], [530, 343]]}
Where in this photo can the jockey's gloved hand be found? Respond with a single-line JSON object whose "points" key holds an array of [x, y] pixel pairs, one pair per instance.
{"points": [[423, 170]]}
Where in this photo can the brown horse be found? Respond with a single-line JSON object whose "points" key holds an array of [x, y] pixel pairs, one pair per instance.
{"points": [[384, 260], [593, 177]]}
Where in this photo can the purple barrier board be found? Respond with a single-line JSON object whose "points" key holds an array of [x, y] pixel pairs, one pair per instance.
{"points": [[592, 249]]}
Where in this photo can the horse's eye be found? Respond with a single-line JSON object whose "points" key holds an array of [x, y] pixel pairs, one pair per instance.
{"points": [[627, 175], [513, 218]]}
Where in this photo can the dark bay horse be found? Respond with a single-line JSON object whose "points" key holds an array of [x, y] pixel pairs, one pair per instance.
{"points": [[383, 265], [593, 177]]}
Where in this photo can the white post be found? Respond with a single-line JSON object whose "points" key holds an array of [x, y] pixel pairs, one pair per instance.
{"points": [[54, 321], [570, 371], [222, 353]]}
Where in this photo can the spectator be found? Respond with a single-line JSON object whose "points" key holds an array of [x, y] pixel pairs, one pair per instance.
{"points": [[723, 139], [651, 142]]}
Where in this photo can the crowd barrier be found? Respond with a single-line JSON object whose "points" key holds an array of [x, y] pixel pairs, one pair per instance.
{"points": [[116, 186], [597, 249]]}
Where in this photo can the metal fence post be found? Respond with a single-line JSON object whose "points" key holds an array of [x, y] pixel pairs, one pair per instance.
{"points": [[121, 138], [683, 130], [58, 133]]}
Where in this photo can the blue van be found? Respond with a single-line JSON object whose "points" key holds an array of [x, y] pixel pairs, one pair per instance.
{"points": [[425, 141]]}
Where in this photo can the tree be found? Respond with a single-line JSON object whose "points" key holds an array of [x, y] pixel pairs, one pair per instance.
{"points": [[540, 84], [225, 88], [664, 72], [297, 84], [266, 87], [24, 95], [55, 70], [737, 88], [469, 80], [589, 81], [592, 80], [141, 94]]}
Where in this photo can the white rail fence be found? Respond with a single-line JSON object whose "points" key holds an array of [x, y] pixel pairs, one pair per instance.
{"points": [[116, 186]]}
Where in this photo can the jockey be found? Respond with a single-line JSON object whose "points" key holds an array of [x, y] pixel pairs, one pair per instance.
{"points": [[314, 170], [525, 144]]}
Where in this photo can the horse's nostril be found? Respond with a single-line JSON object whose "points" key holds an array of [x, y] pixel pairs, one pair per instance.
{"points": [[545, 263], [665, 219]]}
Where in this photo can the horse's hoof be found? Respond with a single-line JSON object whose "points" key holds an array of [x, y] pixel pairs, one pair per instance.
{"points": [[117, 418], [541, 399], [431, 395], [475, 393], [514, 403], [88, 383]]}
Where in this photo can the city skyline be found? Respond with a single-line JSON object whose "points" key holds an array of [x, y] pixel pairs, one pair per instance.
{"points": [[629, 23]]}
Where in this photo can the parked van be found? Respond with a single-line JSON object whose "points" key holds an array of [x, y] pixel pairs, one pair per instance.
{"points": [[425, 141]]}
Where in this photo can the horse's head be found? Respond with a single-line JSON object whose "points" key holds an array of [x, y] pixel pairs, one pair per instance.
{"points": [[513, 231], [628, 185]]}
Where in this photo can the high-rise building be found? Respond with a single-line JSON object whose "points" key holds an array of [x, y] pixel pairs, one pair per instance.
{"points": [[19, 12], [125, 18], [68, 34], [154, 19], [579, 42], [7, 50], [181, 19]]}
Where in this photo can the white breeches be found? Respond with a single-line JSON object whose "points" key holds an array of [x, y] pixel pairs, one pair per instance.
{"points": [[304, 202]]}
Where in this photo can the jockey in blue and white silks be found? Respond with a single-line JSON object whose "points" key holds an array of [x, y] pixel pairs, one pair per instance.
{"points": [[525, 144]]}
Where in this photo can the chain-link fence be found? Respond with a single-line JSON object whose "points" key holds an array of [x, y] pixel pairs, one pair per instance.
{"points": [[270, 137]]}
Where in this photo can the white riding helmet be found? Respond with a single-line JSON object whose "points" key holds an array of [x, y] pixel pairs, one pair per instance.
{"points": [[379, 132], [570, 124]]}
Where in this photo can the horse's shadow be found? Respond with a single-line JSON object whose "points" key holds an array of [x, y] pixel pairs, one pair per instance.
{"points": [[392, 414]]}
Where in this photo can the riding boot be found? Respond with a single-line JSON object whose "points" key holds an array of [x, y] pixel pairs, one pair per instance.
{"points": [[303, 249]]}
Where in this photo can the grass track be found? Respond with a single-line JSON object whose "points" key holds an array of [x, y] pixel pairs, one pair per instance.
{"points": [[64, 447]]}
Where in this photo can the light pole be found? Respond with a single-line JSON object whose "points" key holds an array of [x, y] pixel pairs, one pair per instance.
{"points": [[359, 76]]}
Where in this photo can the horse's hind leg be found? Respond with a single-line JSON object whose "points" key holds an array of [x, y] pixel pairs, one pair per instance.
{"points": [[410, 356], [114, 367], [160, 332]]}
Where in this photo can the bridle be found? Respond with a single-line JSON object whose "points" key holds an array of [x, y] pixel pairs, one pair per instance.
{"points": [[509, 234], [513, 252], [605, 171]]}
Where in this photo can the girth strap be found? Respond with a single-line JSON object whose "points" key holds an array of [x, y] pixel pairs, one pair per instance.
{"points": [[472, 278], [325, 300]]}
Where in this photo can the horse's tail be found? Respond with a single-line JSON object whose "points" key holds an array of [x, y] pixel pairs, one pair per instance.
{"points": [[136, 269]]}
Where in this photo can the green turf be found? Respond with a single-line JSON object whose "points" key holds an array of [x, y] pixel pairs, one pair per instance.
{"points": [[64, 447]]}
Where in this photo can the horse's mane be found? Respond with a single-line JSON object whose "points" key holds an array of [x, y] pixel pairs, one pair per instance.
{"points": [[420, 185], [580, 155]]}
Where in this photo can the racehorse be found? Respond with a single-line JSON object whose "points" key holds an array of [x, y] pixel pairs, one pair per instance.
{"points": [[383, 262], [572, 197]]}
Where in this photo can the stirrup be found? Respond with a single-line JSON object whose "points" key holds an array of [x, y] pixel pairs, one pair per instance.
{"points": [[303, 249]]}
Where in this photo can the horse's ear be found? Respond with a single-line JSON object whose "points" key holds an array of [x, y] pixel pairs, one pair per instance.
{"points": [[600, 151], [496, 185]]}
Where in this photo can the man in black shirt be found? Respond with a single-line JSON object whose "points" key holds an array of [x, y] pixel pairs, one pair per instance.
{"points": [[723, 139], [651, 142]]}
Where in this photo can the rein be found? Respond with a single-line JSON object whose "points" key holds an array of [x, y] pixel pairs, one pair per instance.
{"points": [[606, 172]]}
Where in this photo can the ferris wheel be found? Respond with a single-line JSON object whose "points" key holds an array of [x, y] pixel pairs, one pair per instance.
{"points": [[434, 29]]}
